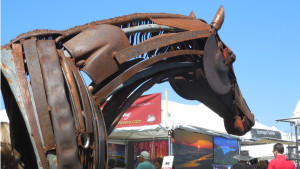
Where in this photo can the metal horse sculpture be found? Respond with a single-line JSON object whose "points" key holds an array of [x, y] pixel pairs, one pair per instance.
{"points": [[56, 120]]}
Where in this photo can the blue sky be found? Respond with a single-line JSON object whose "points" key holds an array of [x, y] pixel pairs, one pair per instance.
{"points": [[262, 34]]}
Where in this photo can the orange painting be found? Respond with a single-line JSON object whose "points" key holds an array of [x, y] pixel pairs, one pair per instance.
{"points": [[192, 150]]}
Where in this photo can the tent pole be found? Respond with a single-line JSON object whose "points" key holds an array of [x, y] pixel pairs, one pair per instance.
{"points": [[297, 153], [167, 108], [170, 152]]}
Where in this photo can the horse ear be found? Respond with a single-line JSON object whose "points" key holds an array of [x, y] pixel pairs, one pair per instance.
{"points": [[218, 19], [192, 14]]}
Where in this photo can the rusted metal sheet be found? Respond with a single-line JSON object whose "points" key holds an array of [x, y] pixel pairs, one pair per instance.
{"points": [[63, 124], [39, 94], [115, 83], [141, 48], [186, 24], [215, 69], [20, 70], [99, 43]]}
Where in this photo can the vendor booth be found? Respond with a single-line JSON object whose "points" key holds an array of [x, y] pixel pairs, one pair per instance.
{"points": [[193, 134]]}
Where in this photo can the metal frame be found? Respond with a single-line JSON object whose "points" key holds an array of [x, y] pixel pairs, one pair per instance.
{"points": [[290, 120]]}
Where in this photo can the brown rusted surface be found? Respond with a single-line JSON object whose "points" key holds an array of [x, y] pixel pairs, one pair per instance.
{"points": [[106, 90], [215, 69], [124, 57], [37, 33], [84, 101], [78, 117], [99, 43], [218, 20], [114, 21], [38, 90], [186, 24], [19, 64], [129, 53], [61, 114]]}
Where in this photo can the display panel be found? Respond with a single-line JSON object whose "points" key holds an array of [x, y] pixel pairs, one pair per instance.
{"points": [[116, 155], [192, 150], [224, 150], [155, 148]]}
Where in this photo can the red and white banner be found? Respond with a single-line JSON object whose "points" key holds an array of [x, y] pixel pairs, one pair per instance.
{"points": [[144, 111]]}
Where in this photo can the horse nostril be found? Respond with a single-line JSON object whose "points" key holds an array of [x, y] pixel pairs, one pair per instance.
{"points": [[232, 57]]}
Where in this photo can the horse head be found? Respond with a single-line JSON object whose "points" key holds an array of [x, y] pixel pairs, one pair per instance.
{"points": [[48, 102]]}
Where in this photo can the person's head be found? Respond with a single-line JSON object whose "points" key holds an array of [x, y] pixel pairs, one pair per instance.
{"points": [[158, 162], [278, 149], [144, 156], [262, 164], [253, 161]]}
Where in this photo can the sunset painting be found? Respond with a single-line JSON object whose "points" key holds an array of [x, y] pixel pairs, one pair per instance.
{"points": [[192, 150], [116, 153]]}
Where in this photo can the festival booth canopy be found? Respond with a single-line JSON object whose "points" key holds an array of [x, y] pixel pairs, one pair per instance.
{"points": [[171, 115], [194, 118]]}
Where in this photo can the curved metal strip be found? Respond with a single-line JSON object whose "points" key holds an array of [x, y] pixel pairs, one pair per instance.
{"points": [[81, 87], [110, 108], [74, 92], [147, 28], [139, 66], [100, 135], [186, 24], [157, 42], [146, 86], [128, 18], [148, 81]]}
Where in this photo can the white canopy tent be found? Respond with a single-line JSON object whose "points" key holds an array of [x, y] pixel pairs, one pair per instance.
{"points": [[197, 118], [296, 114], [201, 119], [3, 116]]}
